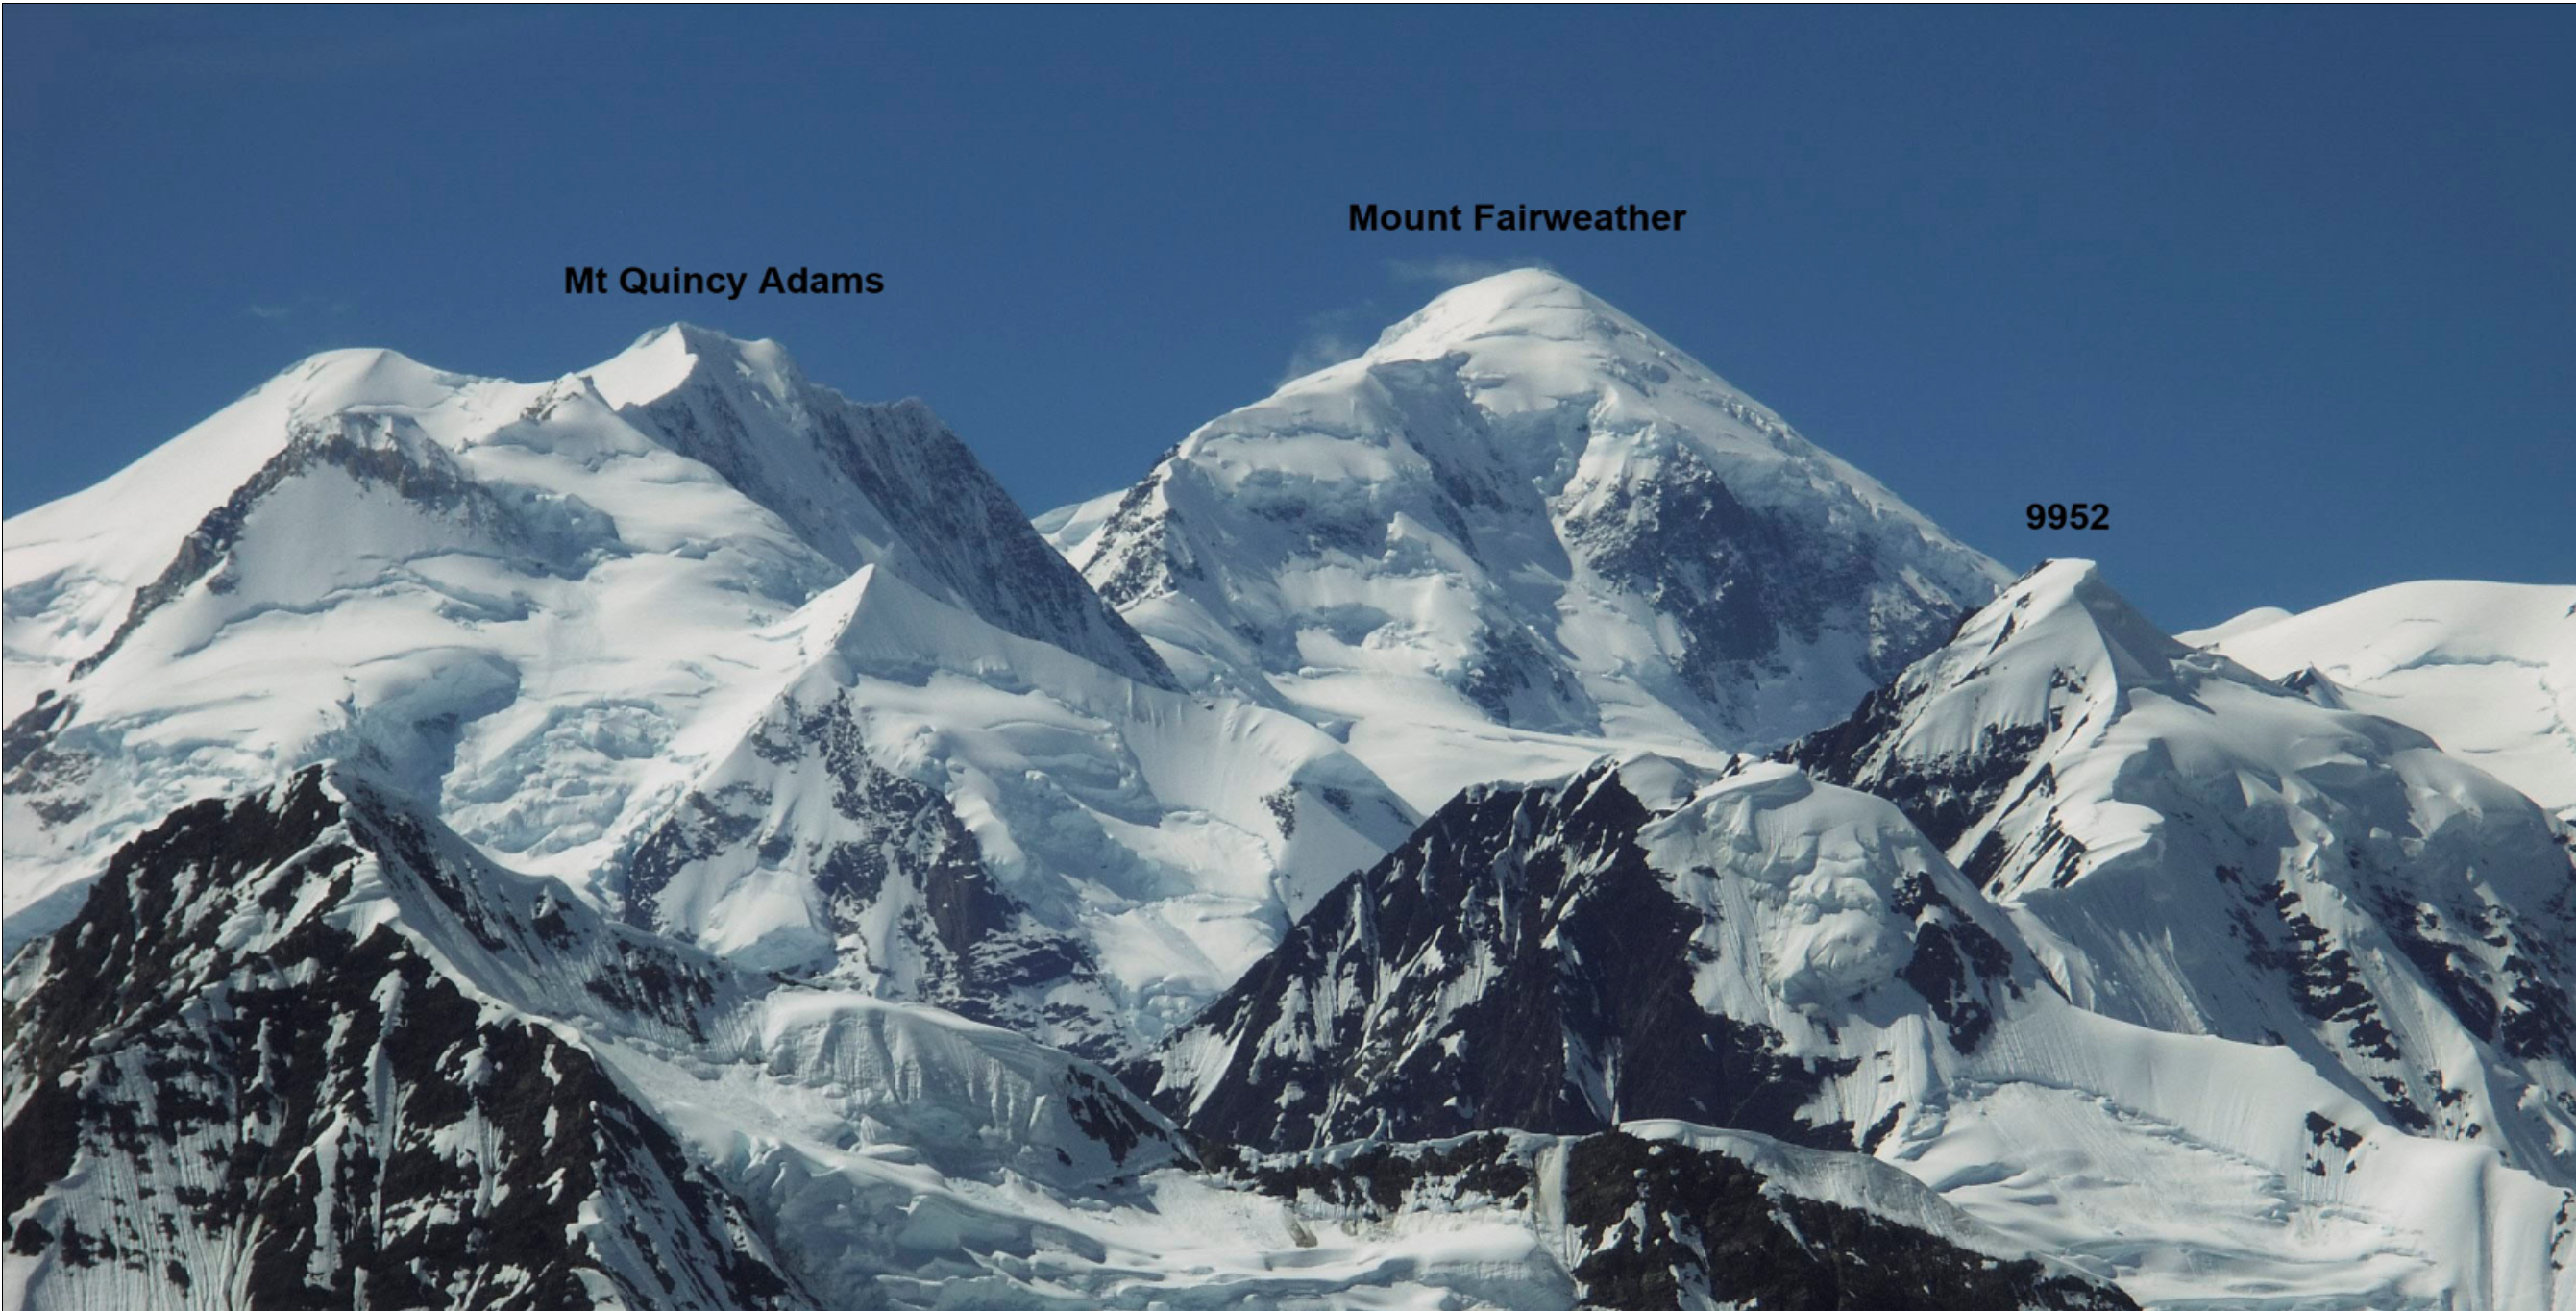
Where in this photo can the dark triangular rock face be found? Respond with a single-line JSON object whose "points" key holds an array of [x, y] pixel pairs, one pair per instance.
{"points": [[314, 1114], [1520, 963]]}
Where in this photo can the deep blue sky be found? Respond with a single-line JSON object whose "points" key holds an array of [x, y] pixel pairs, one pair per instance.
{"points": [[2294, 291]]}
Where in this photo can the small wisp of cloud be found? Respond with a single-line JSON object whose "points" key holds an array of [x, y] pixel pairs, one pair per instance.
{"points": [[1344, 334], [1326, 344], [306, 307], [1453, 270]]}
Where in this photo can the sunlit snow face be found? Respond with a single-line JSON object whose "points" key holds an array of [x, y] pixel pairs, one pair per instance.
{"points": [[1815, 868]]}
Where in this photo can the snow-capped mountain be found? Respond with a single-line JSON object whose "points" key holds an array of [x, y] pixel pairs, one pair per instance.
{"points": [[2197, 849], [523, 595], [2488, 670], [674, 836], [885, 485], [1517, 528], [308, 1048], [570, 615]]}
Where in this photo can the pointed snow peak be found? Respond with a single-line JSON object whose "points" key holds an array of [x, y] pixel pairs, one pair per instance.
{"points": [[2057, 646], [2065, 601], [663, 360], [368, 377], [864, 484], [1538, 320], [1523, 508], [1523, 302], [123, 529]]}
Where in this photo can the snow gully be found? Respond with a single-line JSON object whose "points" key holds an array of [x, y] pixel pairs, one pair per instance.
{"points": [[635, 281]]}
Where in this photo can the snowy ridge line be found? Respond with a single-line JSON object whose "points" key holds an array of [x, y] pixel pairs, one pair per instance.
{"points": [[2397, 916], [236, 1081], [232, 921]]}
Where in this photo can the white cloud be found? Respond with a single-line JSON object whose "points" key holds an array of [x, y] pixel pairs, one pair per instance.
{"points": [[1451, 270], [1337, 335], [303, 306], [1323, 347]]}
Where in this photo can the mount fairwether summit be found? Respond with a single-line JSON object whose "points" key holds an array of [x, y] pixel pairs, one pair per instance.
{"points": [[1519, 526], [1504, 821]]}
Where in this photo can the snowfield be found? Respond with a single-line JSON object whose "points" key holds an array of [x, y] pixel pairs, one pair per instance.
{"points": [[2488, 670]]}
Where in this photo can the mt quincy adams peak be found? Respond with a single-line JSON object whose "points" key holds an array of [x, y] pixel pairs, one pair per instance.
{"points": [[1518, 528], [741, 660]]}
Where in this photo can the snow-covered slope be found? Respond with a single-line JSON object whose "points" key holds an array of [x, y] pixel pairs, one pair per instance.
{"points": [[2488, 670], [1763, 951], [950, 812], [565, 614], [2200, 850], [307, 1048], [1519, 527], [526, 597], [881, 485]]}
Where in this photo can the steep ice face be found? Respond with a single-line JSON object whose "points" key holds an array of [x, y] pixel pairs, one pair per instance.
{"points": [[2197, 849], [1519, 526], [2488, 670]]}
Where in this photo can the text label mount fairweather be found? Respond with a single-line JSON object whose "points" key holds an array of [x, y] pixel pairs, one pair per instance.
{"points": [[1514, 218]]}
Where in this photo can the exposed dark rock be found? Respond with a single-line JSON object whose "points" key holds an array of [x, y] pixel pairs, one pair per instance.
{"points": [[354, 1124], [973, 947], [1582, 1014], [1664, 1224]]}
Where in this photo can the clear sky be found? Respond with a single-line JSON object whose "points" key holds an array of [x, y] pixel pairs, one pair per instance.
{"points": [[2293, 291]]}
